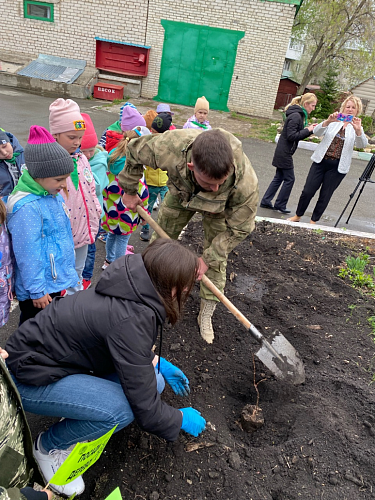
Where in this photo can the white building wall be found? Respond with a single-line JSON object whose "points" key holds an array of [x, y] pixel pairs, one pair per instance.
{"points": [[260, 54]]}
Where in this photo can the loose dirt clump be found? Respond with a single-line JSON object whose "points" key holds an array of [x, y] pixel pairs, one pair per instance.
{"points": [[317, 441]]}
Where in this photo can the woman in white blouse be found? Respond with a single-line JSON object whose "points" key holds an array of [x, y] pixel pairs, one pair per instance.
{"points": [[332, 158]]}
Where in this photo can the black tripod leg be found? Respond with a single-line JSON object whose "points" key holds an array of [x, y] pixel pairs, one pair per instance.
{"points": [[356, 201], [350, 199]]}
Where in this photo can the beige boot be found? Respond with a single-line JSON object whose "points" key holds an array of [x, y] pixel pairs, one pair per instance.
{"points": [[204, 319]]}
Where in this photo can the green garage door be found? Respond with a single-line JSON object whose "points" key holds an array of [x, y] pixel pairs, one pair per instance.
{"points": [[197, 60]]}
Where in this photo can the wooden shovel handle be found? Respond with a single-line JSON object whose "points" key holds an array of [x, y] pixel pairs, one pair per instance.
{"points": [[207, 282], [155, 226]]}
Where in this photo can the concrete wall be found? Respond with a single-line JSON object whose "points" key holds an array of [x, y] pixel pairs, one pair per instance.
{"points": [[260, 54]]}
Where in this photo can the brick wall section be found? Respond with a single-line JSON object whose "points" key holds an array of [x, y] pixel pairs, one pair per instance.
{"points": [[76, 24], [260, 54]]}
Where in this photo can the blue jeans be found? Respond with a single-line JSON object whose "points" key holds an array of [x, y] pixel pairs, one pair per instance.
{"points": [[153, 192], [91, 406], [90, 260], [115, 246]]}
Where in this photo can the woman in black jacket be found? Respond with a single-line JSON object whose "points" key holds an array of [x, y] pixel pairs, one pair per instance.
{"points": [[88, 357], [295, 129]]}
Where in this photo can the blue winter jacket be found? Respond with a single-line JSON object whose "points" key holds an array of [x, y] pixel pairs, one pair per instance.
{"points": [[7, 183], [42, 244]]}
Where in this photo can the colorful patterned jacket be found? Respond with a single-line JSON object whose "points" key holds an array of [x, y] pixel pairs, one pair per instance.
{"points": [[118, 219]]}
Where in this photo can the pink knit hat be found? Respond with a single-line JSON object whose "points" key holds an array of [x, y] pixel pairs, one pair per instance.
{"points": [[64, 116], [89, 139], [131, 118]]}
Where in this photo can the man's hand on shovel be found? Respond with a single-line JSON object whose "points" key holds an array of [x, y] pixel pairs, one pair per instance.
{"points": [[131, 201], [202, 268]]}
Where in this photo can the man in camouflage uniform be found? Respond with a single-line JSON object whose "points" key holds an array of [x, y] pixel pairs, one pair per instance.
{"points": [[208, 173], [17, 465]]}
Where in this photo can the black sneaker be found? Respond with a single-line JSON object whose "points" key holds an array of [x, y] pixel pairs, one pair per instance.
{"points": [[145, 235], [283, 210], [264, 205]]}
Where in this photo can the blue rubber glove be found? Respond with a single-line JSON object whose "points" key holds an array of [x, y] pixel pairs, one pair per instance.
{"points": [[175, 377], [192, 422]]}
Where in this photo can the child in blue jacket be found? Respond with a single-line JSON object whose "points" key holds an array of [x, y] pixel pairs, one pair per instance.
{"points": [[12, 162], [39, 224]]}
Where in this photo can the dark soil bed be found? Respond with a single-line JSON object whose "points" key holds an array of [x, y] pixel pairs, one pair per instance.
{"points": [[317, 441]]}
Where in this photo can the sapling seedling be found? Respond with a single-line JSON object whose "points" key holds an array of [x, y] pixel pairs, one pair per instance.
{"points": [[252, 415]]}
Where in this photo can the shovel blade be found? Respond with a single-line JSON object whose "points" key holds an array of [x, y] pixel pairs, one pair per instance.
{"points": [[288, 365]]}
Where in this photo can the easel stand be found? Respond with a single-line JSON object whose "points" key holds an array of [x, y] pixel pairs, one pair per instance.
{"points": [[364, 179]]}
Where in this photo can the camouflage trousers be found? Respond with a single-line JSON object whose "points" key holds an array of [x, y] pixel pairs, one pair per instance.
{"points": [[173, 218]]}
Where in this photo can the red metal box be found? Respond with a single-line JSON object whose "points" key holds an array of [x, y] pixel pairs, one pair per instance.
{"points": [[108, 91], [125, 59]]}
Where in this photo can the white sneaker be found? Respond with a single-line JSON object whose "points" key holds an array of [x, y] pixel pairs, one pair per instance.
{"points": [[156, 204], [49, 464]]}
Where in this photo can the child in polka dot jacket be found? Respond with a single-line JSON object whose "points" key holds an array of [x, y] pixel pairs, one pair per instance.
{"points": [[118, 220], [67, 127], [39, 225]]}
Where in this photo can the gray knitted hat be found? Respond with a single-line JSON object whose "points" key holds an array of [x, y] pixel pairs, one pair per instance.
{"points": [[4, 137], [44, 157]]}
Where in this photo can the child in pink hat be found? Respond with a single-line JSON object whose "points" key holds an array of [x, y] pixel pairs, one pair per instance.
{"points": [[97, 157], [68, 127]]}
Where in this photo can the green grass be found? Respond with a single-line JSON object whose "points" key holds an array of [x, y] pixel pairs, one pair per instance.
{"points": [[354, 271], [357, 263], [268, 133], [263, 129], [238, 116]]}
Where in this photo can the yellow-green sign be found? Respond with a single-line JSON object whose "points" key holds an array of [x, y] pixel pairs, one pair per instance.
{"points": [[115, 495], [83, 456]]}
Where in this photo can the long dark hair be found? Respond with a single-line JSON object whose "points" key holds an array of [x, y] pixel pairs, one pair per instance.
{"points": [[173, 270]]}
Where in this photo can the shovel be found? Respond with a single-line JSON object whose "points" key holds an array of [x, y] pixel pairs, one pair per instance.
{"points": [[277, 354]]}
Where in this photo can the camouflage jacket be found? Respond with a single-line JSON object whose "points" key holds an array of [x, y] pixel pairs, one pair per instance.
{"points": [[236, 200], [17, 464]]}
